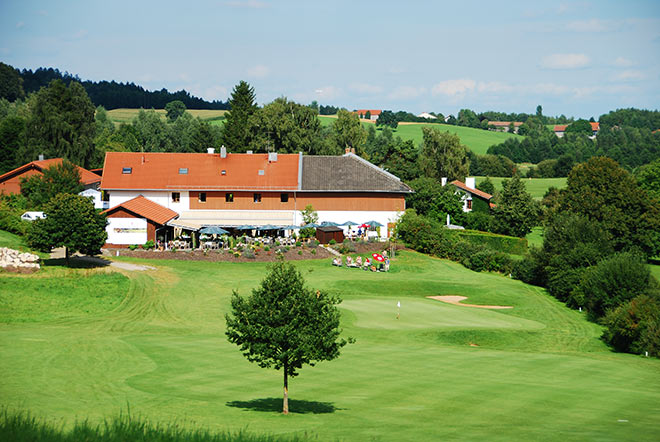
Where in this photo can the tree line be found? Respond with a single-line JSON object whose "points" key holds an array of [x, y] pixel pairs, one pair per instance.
{"points": [[109, 94]]}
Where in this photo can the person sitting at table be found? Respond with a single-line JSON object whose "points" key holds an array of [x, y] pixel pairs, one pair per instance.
{"points": [[349, 261], [367, 264], [358, 261], [336, 262]]}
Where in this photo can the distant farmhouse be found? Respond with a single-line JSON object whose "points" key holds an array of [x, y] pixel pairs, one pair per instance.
{"points": [[373, 113], [10, 182], [504, 126], [154, 195], [427, 116], [560, 129], [473, 198]]}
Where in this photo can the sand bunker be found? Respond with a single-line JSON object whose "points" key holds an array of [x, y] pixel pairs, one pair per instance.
{"points": [[456, 300]]}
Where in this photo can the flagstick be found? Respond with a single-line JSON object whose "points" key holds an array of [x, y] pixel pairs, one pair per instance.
{"points": [[398, 309]]}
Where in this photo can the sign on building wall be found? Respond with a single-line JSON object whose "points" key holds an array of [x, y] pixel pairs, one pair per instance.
{"points": [[127, 230]]}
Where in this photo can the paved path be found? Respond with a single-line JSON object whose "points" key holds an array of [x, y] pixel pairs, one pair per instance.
{"points": [[101, 262]]}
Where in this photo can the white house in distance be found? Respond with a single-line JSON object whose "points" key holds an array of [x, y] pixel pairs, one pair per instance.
{"points": [[97, 197], [473, 198], [427, 116], [373, 113], [194, 190]]}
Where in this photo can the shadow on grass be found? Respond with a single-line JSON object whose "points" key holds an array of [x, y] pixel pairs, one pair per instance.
{"points": [[274, 405], [78, 262]]}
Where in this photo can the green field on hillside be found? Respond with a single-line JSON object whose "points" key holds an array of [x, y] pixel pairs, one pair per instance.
{"points": [[537, 371], [535, 186], [476, 139], [127, 115]]}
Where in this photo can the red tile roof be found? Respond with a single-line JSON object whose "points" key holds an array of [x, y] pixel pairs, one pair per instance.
{"points": [[373, 112], [505, 123], [161, 171], [595, 126], [479, 193], [146, 209], [86, 177]]}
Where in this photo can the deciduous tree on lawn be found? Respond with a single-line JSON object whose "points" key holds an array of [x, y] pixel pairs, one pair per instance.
{"points": [[71, 222], [285, 325], [348, 132], [174, 109], [59, 178]]}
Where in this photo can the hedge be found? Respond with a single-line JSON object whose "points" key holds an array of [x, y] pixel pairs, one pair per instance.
{"points": [[501, 243]]}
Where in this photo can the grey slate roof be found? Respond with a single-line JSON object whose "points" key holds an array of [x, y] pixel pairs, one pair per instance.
{"points": [[347, 173]]}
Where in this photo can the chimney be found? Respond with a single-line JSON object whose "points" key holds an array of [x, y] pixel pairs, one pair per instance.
{"points": [[469, 182], [272, 157], [223, 152], [210, 150], [41, 157]]}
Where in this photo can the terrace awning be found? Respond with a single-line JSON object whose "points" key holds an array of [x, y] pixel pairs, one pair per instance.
{"points": [[196, 219]]}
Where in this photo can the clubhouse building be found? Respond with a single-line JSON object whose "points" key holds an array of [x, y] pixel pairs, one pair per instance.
{"points": [[154, 196]]}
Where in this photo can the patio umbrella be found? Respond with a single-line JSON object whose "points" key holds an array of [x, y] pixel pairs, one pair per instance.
{"points": [[268, 227], [374, 224], [213, 230], [378, 257], [328, 224], [245, 227], [364, 226], [311, 225], [348, 223]]}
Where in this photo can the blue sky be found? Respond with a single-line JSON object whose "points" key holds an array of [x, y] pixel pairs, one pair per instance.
{"points": [[577, 58]]}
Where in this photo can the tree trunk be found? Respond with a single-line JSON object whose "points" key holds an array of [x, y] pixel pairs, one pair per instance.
{"points": [[66, 256], [285, 405]]}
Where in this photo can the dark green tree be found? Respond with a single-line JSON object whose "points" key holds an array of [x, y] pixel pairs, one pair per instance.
{"points": [[38, 189], [516, 212], [71, 222], [236, 135], [434, 200], [602, 191], [174, 109], [387, 118], [367, 115], [12, 140], [580, 127], [152, 133], [487, 186], [443, 155], [634, 326], [309, 216], [648, 178], [11, 83], [348, 132], [61, 124], [285, 325]]}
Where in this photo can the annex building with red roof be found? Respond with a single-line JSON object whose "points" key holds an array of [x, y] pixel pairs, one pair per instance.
{"points": [[473, 198], [10, 182], [233, 190]]}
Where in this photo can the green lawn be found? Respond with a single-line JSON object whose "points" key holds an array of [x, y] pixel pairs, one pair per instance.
{"points": [[535, 237], [538, 372], [535, 186], [12, 241], [476, 139]]}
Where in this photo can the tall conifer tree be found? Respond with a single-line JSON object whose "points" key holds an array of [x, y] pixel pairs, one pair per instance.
{"points": [[236, 134]]}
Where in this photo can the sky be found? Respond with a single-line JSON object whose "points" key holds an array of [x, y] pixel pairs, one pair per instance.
{"points": [[578, 58]]}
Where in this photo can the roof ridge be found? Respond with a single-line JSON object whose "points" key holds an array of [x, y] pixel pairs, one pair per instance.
{"points": [[372, 165]]}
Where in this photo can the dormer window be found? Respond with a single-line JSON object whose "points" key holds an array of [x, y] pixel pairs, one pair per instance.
{"points": [[262, 172], [223, 172], [127, 170], [183, 171]]}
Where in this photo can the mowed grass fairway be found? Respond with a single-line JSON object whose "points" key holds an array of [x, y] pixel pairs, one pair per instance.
{"points": [[477, 140], [125, 115], [539, 371], [537, 187]]}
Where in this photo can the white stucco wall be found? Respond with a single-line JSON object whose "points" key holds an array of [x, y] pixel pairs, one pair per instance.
{"points": [[163, 198], [126, 231]]}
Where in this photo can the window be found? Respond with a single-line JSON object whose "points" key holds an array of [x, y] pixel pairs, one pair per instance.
{"points": [[202, 197], [284, 197], [176, 197], [229, 197], [127, 170], [262, 172], [223, 172], [469, 204], [257, 197], [105, 196], [183, 171]]}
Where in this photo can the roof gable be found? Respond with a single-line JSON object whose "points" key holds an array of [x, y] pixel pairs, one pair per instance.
{"points": [[461, 185], [145, 208], [86, 177]]}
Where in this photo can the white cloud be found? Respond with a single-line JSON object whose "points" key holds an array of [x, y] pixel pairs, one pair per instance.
{"points": [[259, 71], [406, 93], [249, 4], [494, 87], [548, 88], [453, 88], [364, 88], [623, 62], [328, 92], [565, 61], [20, 24], [629, 75], [593, 25], [215, 92]]}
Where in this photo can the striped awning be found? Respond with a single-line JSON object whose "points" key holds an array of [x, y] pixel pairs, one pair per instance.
{"points": [[196, 219]]}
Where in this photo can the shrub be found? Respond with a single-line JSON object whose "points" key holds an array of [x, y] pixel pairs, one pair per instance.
{"points": [[332, 242], [614, 281], [133, 247], [634, 326], [149, 245], [314, 243], [477, 221], [287, 248], [299, 252], [249, 253], [266, 248], [502, 243], [277, 243], [530, 269], [313, 252]]}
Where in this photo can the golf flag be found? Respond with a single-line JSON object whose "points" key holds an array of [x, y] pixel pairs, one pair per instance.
{"points": [[398, 304]]}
